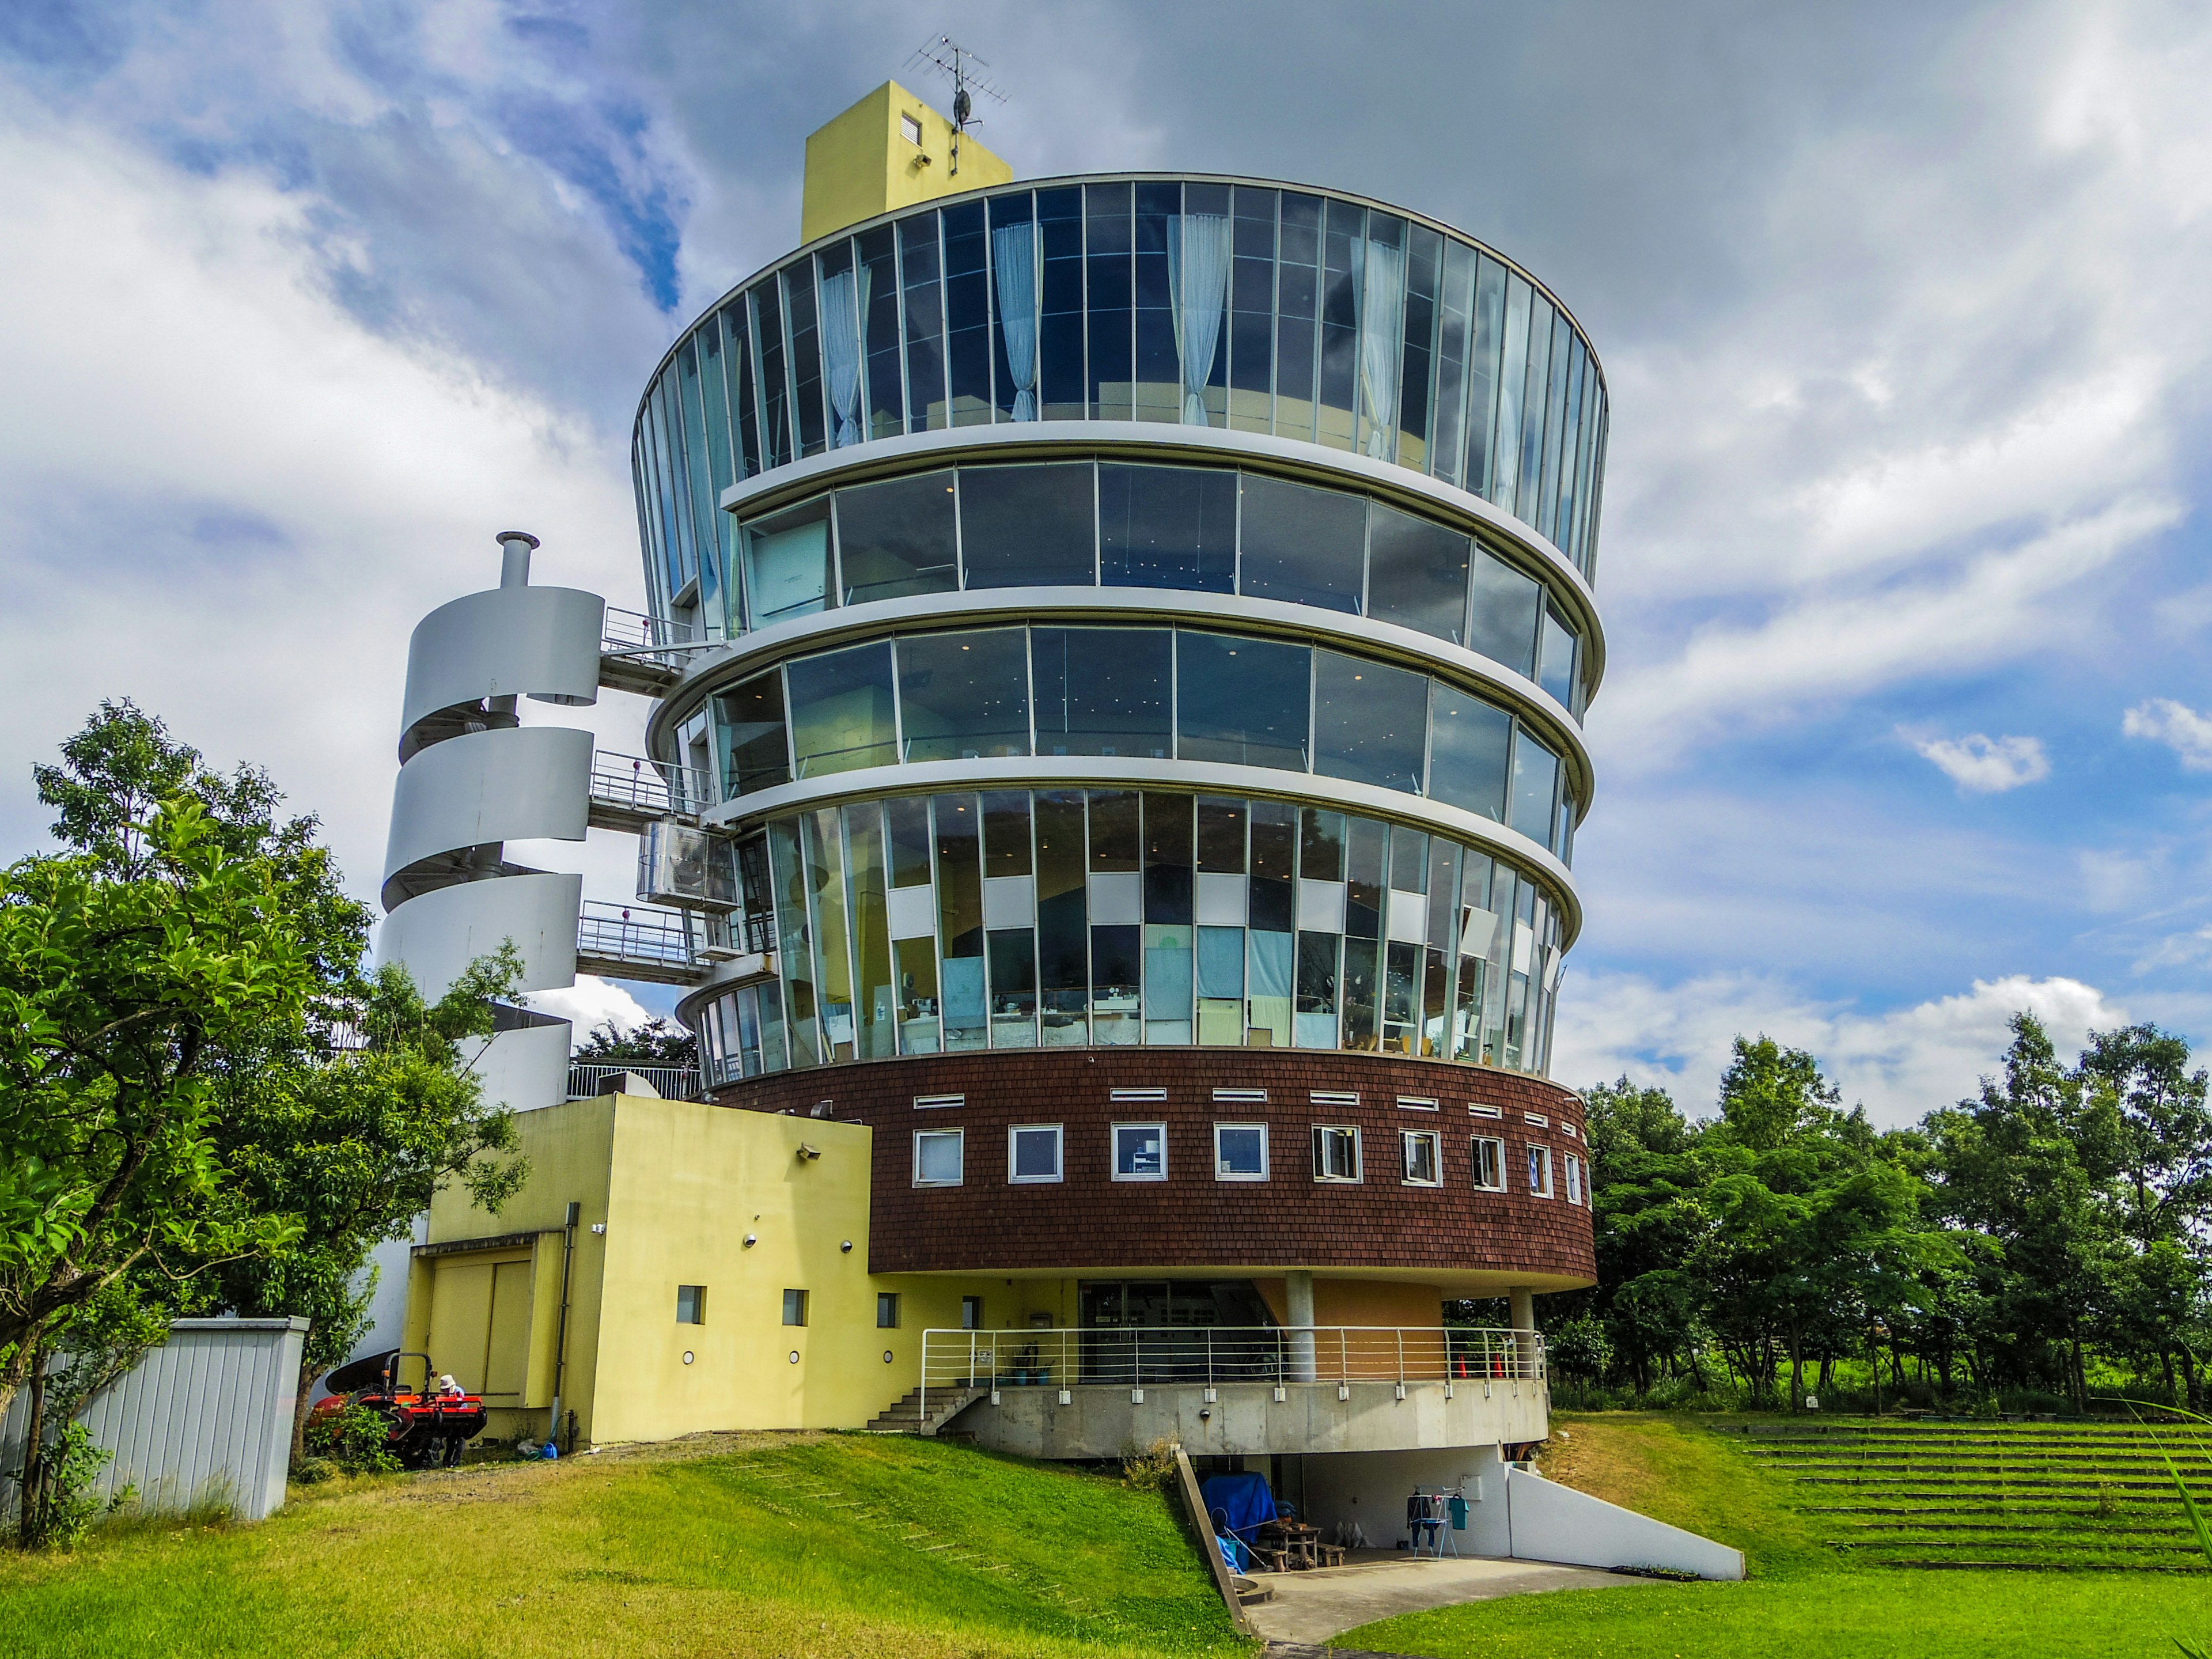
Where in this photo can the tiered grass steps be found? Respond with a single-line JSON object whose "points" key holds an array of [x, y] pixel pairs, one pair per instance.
{"points": [[2050, 1497]]}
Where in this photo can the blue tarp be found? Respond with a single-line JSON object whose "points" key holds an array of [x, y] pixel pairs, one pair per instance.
{"points": [[1238, 1558], [1240, 1503]]}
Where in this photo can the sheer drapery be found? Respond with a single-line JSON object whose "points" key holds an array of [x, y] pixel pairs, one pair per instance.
{"points": [[1382, 322], [1014, 256], [1198, 288], [841, 352]]}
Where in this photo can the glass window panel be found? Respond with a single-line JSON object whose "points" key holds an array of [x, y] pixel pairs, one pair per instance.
{"points": [[794, 948], [960, 918], [966, 314], [1453, 324], [715, 418], [841, 711], [1168, 964], [1321, 845], [754, 744], [918, 1025], [1424, 255], [1416, 574], [1168, 827], [1468, 751], [1013, 987], [1221, 966], [898, 539], [805, 355], [1167, 527], [1268, 992], [1252, 310], [1371, 723], [964, 696], [1102, 691], [1297, 306], [1014, 280], [1534, 404], [1366, 847], [1569, 473], [1005, 832], [1026, 526], [937, 1157], [1034, 1155], [1060, 390], [736, 343], [1409, 861], [1503, 627], [1360, 1032], [1063, 970], [1109, 271], [1556, 661], [879, 323], [833, 964], [1240, 1151], [775, 389], [1116, 983], [1482, 373], [925, 324], [1140, 1152], [787, 564], [907, 817], [1512, 386], [1242, 700], [876, 993], [1159, 366], [1341, 267], [1535, 787], [1116, 837], [1555, 421], [1302, 544]]}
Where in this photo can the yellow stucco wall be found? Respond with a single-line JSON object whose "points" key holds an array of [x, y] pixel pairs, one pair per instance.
{"points": [[860, 163]]}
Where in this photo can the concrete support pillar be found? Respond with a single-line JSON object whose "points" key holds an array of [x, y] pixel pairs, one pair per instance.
{"points": [[514, 546], [1523, 1318], [1298, 1299]]}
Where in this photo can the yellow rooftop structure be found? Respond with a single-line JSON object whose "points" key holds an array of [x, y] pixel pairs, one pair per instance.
{"points": [[891, 150]]}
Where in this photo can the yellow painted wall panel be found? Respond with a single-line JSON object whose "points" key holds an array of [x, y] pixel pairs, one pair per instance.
{"points": [[861, 162], [460, 1321], [506, 1366]]}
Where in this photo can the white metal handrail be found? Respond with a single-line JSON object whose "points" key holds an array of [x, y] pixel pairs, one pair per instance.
{"points": [[1224, 1356], [634, 932], [641, 784], [674, 1082]]}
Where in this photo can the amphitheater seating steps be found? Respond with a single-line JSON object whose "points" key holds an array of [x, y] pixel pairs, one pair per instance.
{"points": [[2076, 1495]]}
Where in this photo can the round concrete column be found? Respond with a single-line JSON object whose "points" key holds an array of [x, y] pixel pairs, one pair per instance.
{"points": [[1523, 1318], [1298, 1299]]}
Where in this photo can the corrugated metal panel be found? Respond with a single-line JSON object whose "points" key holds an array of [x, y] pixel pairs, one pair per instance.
{"points": [[205, 1417]]}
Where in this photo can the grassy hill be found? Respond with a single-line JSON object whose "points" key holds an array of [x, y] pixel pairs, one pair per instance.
{"points": [[757, 1547], [1828, 1577]]}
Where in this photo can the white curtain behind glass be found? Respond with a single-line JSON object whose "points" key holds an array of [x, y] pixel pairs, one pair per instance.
{"points": [[1014, 257], [1381, 321], [840, 351], [1198, 288]]}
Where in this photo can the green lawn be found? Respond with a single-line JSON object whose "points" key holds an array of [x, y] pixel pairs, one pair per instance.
{"points": [[773, 1546], [1805, 1599]]}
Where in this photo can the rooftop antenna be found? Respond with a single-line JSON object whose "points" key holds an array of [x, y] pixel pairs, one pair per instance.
{"points": [[946, 55]]}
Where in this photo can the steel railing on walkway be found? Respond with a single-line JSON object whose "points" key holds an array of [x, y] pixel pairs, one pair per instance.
{"points": [[674, 1082], [638, 785], [636, 941], [1226, 1356]]}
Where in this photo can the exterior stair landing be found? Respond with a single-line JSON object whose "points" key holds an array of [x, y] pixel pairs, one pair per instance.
{"points": [[906, 1417]]}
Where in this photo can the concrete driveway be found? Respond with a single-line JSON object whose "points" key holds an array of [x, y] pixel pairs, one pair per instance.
{"points": [[1312, 1607]]}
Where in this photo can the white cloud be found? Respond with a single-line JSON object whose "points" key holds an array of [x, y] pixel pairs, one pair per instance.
{"points": [[1984, 765], [1900, 1063], [589, 1003], [2177, 726]]}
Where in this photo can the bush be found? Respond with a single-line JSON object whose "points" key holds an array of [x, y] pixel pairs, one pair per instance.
{"points": [[313, 1471], [353, 1440], [1152, 1470]]}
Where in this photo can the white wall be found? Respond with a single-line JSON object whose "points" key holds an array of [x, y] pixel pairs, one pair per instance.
{"points": [[1371, 1488], [1552, 1523]]}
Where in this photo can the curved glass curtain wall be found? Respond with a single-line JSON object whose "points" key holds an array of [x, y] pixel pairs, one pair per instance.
{"points": [[1195, 303], [1016, 919], [1128, 524], [1152, 693]]}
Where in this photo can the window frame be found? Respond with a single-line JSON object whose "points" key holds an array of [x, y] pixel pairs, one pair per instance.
{"points": [[1540, 1159], [887, 1301], [1574, 1171], [1114, 1149], [1267, 1171], [960, 1137], [1476, 1143], [1435, 1139], [698, 1304], [1321, 1163], [1059, 1133], [798, 1323]]}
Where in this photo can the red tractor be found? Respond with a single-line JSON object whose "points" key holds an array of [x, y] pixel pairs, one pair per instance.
{"points": [[428, 1426]]}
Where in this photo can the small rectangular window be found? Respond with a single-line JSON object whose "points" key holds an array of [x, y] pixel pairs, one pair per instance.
{"points": [[1571, 1132], [1240, 1151], [1489, 1164], [1242, 1097], [1033, 1152], [886, 1310], [938, 1158], [937, 1103], [1335, 1152], [1475, 1110], [971, 1313], [910, 129], [1126, 1095], [691, 1304], [1540, 1171], [1536, 1118], [794, 1307], [1140, 1152], [1574, 1179], [1424, 1158], [1416, 1103], [1333, 1098]]}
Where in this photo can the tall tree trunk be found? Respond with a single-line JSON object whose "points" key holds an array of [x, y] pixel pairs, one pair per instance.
{"points": [[2165, 1362], [2080, 1378], [1796, 1369], [2189, 1378], [1828, 1373], [301, 1408]]}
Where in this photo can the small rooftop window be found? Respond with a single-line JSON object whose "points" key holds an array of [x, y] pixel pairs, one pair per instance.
{"points": [[910, 129]]}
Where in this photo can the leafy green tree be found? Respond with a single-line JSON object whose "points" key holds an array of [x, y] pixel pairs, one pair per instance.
{"points": [[656, 1043], [1649, 1214], [2157, 1129]]}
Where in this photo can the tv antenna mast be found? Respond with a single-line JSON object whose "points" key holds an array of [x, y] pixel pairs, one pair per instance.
{"points": [[955, 62]]}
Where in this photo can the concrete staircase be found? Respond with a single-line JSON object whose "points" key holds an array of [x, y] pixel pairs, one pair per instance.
{"points": [[906, 1416]]}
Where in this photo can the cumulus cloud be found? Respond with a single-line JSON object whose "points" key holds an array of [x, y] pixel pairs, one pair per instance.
{"points": [[1984, 765], [1901, 1062], [592, 1002], [2177, 726]]}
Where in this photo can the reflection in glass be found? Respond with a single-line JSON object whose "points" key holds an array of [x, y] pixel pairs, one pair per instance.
{"points": [[1555, 670], [1371, 723], [1536, 786], [841, 711], [1506, 604], [1102, 691], [1242, 700], [1022, 527], [964, 696], [787, 564], [1303, 544], [960, 918], [1167, 527], [898, 539], [1468, 745], [1416, 574], [756, 746]]}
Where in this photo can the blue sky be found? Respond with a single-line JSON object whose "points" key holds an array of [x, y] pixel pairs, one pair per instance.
{"points": [[1901, 308]]}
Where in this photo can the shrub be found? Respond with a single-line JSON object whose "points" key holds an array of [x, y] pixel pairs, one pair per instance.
{"points": [[1152, 1470], [353, 1439], [313, 1471]]}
